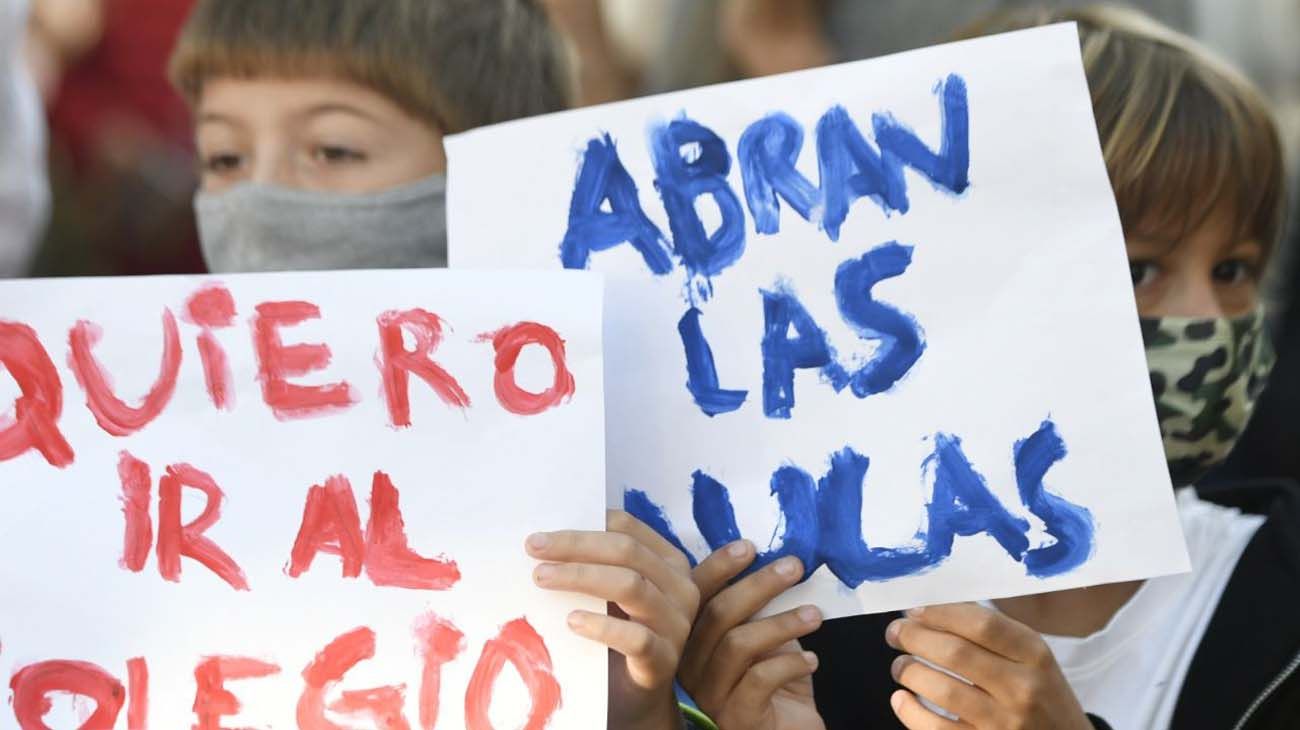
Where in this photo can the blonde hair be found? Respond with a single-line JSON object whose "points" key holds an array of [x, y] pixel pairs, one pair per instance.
{"points": [[456, 64], [1182, 132]]}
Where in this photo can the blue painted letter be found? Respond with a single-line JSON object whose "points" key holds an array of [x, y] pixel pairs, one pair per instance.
{"points": [[839, 512], [690, 161], [638, 504], [783, 354], [963, 505], [602, 178], [701, 374], [900, 338], [1070, 524], [767, 154], [795, 494]]}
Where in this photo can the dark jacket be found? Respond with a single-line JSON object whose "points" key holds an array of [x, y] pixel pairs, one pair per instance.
{"points": [[1245, 674]]}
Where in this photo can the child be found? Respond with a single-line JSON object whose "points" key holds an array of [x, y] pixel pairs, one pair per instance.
{"points": [[319, 130], [311, 100], [1195, 161]]}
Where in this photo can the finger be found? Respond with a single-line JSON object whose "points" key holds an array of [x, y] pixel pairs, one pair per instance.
{"points": [[990, 629], [970, 703], [650, 658], [616, 549], [742, 647], [722, 565], [620, 521], [734, 606], [914, 716], [952, 652], [638, 597], [754, 693]]}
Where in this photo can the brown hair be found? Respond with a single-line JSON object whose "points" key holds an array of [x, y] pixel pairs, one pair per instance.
{"points": [[457, 64], [1182, 132]]}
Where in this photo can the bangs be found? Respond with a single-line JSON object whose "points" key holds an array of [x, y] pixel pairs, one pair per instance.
{"points": [[260, 39], [1186, 142]]}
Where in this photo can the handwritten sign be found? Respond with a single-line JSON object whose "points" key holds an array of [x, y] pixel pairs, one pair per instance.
{"points": [[877, 316], [296, 500]]}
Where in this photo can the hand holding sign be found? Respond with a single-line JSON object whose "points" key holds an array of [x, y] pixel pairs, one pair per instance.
{"points": [[652, 606], [751, 674], [1011, 677]]}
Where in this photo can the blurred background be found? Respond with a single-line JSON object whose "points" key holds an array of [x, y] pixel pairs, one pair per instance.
{"points": [[84, 98]]}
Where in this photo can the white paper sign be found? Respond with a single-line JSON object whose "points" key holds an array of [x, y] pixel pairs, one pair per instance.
{"points": [[876, 315], [214, 514]]}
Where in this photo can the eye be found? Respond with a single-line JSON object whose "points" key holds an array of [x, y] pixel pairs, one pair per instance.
{"points": [[335, 155], [1142, 272], [1234, 271], [222, 163]]}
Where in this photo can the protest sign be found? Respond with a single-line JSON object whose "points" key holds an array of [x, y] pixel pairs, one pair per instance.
{"points": [[877, 316], [296, 500]]}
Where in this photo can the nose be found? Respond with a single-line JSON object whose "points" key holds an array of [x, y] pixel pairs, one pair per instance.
{"points": [[274, 166], [1192, 294]]}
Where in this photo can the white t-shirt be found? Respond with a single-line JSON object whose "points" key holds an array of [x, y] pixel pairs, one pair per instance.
{"points": [[24, 190], [1130, 672]]}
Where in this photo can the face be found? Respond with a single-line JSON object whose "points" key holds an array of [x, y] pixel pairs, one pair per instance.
{"points": [[1207, 274], [319, 135]]}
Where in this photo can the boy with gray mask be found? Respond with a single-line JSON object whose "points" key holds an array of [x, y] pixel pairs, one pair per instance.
{"points": [[319, 125], [319, 129]]}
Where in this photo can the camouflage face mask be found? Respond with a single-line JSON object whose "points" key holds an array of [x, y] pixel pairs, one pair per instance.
{"points": [[1206, 375]]}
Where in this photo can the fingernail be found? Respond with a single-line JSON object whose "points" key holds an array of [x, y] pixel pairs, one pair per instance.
{"points": [[788, 566], [544, 573], [914, 612], [896, 700], [896, 668], [738, 549], [891, 632], [809, 614], [811, 659], [538, 541], [576, 620]]}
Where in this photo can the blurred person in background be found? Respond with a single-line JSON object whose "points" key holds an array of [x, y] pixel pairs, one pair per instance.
{"points": [[121, 161], [771, 36], [24, 196]]}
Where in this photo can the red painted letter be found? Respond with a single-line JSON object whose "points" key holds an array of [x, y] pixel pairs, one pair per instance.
{"points": [[113, 415], [330, 524], [383, 704], [212, 701], [520, 645], [397, 363], [511, 341], [389, 559], [136, 488], [137, 687], [175, 540], [277, 362], [37, 410], [440, 642], [212, 307], [33, 685]]}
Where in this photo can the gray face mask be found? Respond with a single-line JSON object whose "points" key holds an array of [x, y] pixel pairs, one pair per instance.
{"points": [[254, 227]]}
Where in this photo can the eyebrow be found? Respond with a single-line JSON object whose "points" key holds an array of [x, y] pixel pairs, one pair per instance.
{"points": [[337, 108], [217, 118]]}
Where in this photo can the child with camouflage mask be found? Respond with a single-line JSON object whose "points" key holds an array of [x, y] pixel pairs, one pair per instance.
{"points": [[319, 128], [1196, 164]]}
